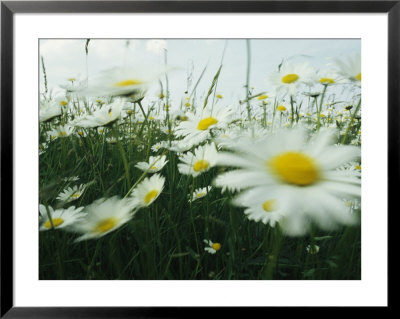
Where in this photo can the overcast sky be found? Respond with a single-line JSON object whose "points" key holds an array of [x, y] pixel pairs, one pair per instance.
{"points": [[66, 58]]}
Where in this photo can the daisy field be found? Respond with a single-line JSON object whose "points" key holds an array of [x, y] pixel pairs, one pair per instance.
{"points": [[200, 159]]}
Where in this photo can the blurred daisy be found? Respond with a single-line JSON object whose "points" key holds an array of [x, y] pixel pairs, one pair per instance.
{"points": [[155, 164], [202, 160], [48, 110], [200, 193], [60, 131], [327, 78], [156, 147], [290, 77], [300, 175], [103, 216], [148, 191], [71, 193], [42, 148], [198, 126], [122, 81], [211, 248], [281, 108], [312, 249], [74, 84], [61, 218], [81, 132], [350, 69], [259, 207], [107, 114]]}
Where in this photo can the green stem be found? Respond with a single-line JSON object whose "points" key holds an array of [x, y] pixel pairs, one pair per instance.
{"points": [[344, 139], [248, 79], [320, 107], [123, 156]]}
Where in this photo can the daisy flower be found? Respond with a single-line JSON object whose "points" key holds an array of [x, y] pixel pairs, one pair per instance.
{"points": [[202, 160], [312, 249], [60, 131], [71, 193], [328, 77], [259, 208], [107, 114], [290, 77], [155, 164], [122, 81], [104, 216], [148, 190], [198, 126], [156, 147], [211, 248], [61, 218], [350, 69], [81, 132], [200, 193], [300, 175], [74, 84]]}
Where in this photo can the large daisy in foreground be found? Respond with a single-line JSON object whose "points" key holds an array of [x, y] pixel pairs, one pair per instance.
{"points": [[122, 81], [298, 174], [349, 69]]}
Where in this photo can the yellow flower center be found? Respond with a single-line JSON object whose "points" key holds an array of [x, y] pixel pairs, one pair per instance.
{"points": [[109, 113], [128, 82], [281, 108], [187, 104], [63, 103], [294, 168], [216, 246], [105, 225], [269, 205], [358, 167], [184, 118], [150, 196], [326, 80], [76, 195], [201, 165], [151, 118], [56, 222], [154, 167], [205, 123], [72, 79], [262, 97], [358, 77], [219, 96], [63, 133], [290, 78], [201, 194]]}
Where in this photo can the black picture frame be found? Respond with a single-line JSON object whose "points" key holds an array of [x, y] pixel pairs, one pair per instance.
{"points": [[9, 8]]}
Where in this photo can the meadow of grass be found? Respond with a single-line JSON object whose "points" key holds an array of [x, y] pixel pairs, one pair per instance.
{"points": [[167, 233]]}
